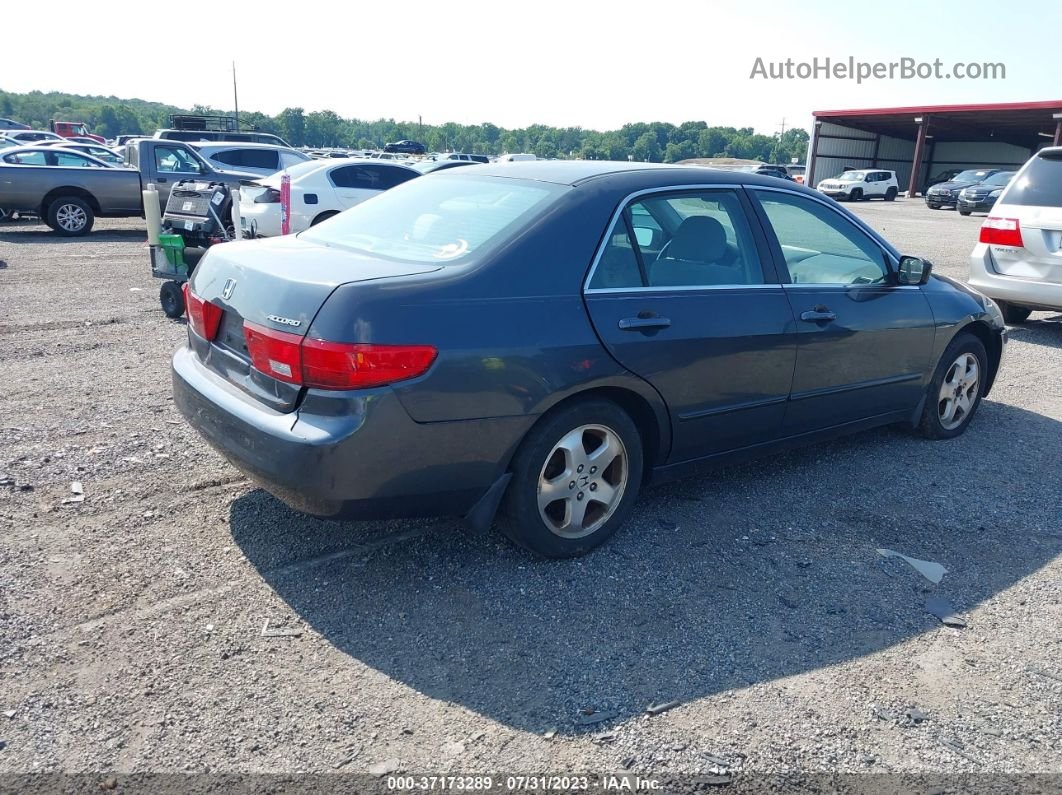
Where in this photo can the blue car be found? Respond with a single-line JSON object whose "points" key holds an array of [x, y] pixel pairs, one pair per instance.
{"points": [[535, 342]]}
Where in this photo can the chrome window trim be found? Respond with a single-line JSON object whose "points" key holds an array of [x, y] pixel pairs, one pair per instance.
{"points": [[683, 289], [610, 230]]}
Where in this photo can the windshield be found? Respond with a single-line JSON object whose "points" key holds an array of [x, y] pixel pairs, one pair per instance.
{"points": [[852, 176], [1000, 179], [439, 220], [971, 176]]}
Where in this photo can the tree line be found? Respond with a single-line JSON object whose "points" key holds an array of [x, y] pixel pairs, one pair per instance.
{"points": [[658, 142]]}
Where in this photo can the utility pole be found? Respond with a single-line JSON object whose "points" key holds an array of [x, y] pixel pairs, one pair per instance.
{"points": [[783, 126], [235, 96]]}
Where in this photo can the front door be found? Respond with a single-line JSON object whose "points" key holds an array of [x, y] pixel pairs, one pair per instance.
{"points": [[864, 342], [684, 295], [173, 164]]}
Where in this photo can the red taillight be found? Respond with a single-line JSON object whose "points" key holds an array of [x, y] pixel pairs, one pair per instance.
{"points": [[333, 365], [1001, 232], [275, 353], [203, 316]]}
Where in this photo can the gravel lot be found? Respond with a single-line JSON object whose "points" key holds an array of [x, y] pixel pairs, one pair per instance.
{"points": [[131, 623]]}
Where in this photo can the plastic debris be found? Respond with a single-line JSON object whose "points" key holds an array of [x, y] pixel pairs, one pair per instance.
{"points": [[278, 632], [932, 571], [381, 769], [945, 612], [657, 709], [588, 719]]}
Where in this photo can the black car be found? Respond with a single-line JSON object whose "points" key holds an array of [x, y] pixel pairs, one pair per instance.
{"points": [[946, 194], [943, 176], [778, 172], [406, 147], [543, 339], [980, 198]]}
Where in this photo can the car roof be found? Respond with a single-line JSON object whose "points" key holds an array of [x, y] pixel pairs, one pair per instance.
{"points": [[14, 150], [574, 172], [238, 144]]}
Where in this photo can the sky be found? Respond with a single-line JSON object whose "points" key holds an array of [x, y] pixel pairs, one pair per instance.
{"points": [[596, 65]]}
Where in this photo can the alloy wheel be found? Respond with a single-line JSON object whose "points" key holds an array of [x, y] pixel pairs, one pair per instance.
{"points": [[958, 392], [583, 481], [71, 218]]}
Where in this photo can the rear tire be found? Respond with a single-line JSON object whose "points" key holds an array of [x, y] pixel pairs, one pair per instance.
{"points": [[171, 296], [890, 194], [70, 216], [1012, 314], [323, 217], [575, 480], [964, 212], [955, 391]]}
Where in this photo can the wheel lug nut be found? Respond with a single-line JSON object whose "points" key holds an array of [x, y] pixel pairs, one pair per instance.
{"points": [[593, 487], [593, 470], [571, 485], [580, 496], [581, 468]]}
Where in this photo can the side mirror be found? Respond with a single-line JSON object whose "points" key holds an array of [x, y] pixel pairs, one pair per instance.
{"points": [[913, 270], [644, 235]]}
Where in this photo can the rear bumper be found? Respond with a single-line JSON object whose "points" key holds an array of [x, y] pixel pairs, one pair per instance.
{"points": [[1024, 292], [369, 461]]}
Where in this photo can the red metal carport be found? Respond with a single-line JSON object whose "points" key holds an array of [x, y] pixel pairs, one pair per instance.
{"points": [[916, 141]]}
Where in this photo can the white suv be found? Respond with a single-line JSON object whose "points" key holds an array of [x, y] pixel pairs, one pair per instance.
{"points": [[1018, 261], [862, 184]]}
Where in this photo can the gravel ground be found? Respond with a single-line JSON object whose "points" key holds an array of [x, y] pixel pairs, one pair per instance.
{"points": [[132, 623]]}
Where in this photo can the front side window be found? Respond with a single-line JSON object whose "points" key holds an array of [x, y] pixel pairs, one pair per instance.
{"points": [[696, 239], [173, 159], [439, 220], [819, 245]]}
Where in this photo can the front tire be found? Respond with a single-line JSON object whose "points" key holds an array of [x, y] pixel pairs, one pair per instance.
{"points": [[70, 216], [956, 389], [856, 195], [575, 480], [1013, 315]]}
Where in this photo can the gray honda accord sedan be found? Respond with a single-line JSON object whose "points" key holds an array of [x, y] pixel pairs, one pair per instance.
{"points": [[535, 342]]}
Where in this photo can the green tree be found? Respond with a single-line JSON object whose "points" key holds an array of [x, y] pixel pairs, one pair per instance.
{"points": [[292, 125]]}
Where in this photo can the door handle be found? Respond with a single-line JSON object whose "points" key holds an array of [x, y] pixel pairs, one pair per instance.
{"points": [[819, 314], [643, 323]]}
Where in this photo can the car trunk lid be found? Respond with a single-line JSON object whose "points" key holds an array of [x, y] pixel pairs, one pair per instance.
{"points": [[279, 285]]}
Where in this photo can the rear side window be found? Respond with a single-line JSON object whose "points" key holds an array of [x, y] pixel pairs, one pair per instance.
{"points": [[1040, 185], [258, 158], [438, 220], [26, 159], [697, 239]]}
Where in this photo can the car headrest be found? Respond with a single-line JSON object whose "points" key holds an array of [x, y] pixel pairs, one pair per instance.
{"points": [[699, 239]]}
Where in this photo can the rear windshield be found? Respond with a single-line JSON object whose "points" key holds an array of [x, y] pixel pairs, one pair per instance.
{"points": [[1040, 185], [440, 219]]}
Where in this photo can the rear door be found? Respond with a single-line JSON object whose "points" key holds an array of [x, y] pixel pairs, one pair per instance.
{"points": [[1034, 199], [683, 294], [864, 343]]}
